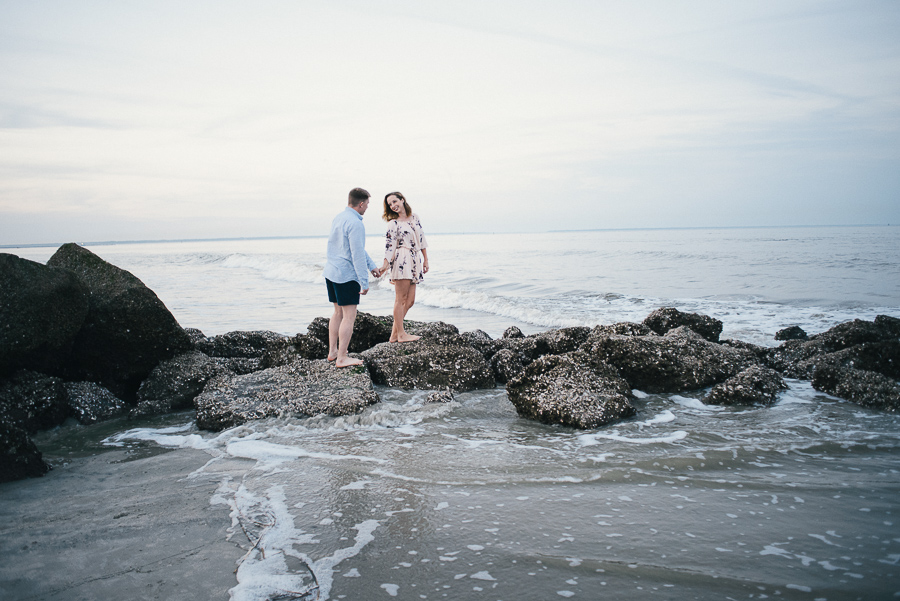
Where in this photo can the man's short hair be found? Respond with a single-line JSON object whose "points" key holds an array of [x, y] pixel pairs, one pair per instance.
{"points": [[358, 196]]}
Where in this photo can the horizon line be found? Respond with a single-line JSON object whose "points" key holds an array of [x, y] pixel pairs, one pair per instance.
{"points": [[566, 231]]}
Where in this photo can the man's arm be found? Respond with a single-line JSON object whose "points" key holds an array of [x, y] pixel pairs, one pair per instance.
{"points": [[361, 259]]}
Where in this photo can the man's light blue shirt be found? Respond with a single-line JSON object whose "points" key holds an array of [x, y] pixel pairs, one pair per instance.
{"points": [[347, 256]]}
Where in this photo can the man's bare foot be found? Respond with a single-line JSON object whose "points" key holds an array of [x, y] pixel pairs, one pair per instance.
{"points": [[347, 362], [407, 338]]}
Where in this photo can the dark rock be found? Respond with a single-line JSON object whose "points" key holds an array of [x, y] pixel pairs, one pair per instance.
{"points": [[368, 330], [240, 345], [19, 457], [513, 332], [865, 388], [436, 331], [481, 342], [90, 403], [855, 332], [623, 328], [238, 365], [286, 351], [663, 320], [880, 357], [507, 364], [561, 341], [761, 352], [790, 354], [174, 384], [679, 361], [303, 388], [429, 365], [561, 389], [41, 311], [127, 331], [791, 333], [33, 401], [889, 325], [756, 385], [195, 335], [440, 396]]}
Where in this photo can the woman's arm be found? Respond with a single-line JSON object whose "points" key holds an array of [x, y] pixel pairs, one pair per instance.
{"points": [[425, 264]]}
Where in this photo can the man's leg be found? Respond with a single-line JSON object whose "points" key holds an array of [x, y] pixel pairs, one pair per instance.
{"points": [[345, 332], [334, 326]]}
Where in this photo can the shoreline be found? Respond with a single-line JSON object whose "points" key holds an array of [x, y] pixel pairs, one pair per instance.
{"points": [[134, 532]]}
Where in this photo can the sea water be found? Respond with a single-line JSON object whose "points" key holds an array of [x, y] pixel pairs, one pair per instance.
{"points": [[465, 500]]}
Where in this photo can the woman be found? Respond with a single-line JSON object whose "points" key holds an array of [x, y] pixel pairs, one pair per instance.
{"points": [[406, 258]]}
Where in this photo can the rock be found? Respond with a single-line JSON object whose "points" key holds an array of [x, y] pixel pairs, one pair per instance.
{"points": [[561, 341], [33, 401], [41, 311], [436, 331], [173, 384], [90, 403], [679, 361], [238, 365], [289, 349], [19, 457], [428, 365], [880, 357], [127, 330], [560, 389], [440, 396], [195, 335], [507, 364], [889, 325], [865, 388], [855, 332], [663, 320], [513, 332], [481, 342], [303, 388], [623, 328], [368, 330], [791, 333], [790, 354], [761, 352], [242, 345], [756, 385]]}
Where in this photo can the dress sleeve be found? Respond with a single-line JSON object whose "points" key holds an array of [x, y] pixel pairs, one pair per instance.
{"points": [[423, 243], [390, 242]]}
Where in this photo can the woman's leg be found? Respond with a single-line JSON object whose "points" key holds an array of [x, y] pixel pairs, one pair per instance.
{"points": [[402, 290]]}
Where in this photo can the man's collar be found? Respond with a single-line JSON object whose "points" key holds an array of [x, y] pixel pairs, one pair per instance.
{"points": [[355, 212]]}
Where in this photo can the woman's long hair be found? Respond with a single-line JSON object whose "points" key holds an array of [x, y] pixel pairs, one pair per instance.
{"points": [[389, 214]]}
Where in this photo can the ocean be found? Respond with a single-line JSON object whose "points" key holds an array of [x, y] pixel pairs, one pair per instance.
{"points": [[467, 501]]}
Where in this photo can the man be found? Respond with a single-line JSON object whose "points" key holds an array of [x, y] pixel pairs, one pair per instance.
{"points": [[347, 274]]}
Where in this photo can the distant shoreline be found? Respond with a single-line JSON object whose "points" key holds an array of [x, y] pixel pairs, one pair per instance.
{"points": [[617, 229]]}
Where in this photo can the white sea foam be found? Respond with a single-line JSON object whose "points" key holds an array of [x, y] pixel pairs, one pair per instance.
{"points": [[269, 454], [276, 267], [588, 440]]}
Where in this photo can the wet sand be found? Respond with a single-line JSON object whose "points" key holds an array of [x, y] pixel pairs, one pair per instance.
{"points": [[115, 526]]}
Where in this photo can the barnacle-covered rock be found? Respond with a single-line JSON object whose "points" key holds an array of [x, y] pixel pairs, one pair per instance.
{"points": [[756, 385], [428, 365], [239, 344], [865, 388], [440, 396], [665, 319], [564, 389], [368, 330], [791, 333], [173, 384], [90, 403], [507, 364], [302, 388], [679, 361]]}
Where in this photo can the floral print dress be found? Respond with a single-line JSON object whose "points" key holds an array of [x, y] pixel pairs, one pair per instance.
{"points": [[403, 247]]}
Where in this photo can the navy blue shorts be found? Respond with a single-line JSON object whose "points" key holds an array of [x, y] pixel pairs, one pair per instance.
{"points": [[343, 294]]}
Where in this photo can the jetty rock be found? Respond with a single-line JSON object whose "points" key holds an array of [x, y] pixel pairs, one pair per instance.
{"points": [[567, 390], [866, 388], [368, 330], [90, 403], [681, 360], [19, 457], [41, 311], [441, 359], [666, 319], [302, 388], [756, 385], [286, 350], [127, 330], [791, 333], [173, 384]]}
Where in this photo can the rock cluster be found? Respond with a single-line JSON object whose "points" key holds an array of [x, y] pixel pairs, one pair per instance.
{"points": [[82, 338]]}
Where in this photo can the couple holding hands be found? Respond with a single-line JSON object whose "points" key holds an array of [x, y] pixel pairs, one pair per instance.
{"points": [[349, 265]]}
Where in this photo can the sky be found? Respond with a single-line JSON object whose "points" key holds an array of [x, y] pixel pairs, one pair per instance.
{"points": [[129, 120]]}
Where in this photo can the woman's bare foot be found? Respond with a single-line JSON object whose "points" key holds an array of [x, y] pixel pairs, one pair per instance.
{"points": [[332, 358], [407, 338], [347, 362]]}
